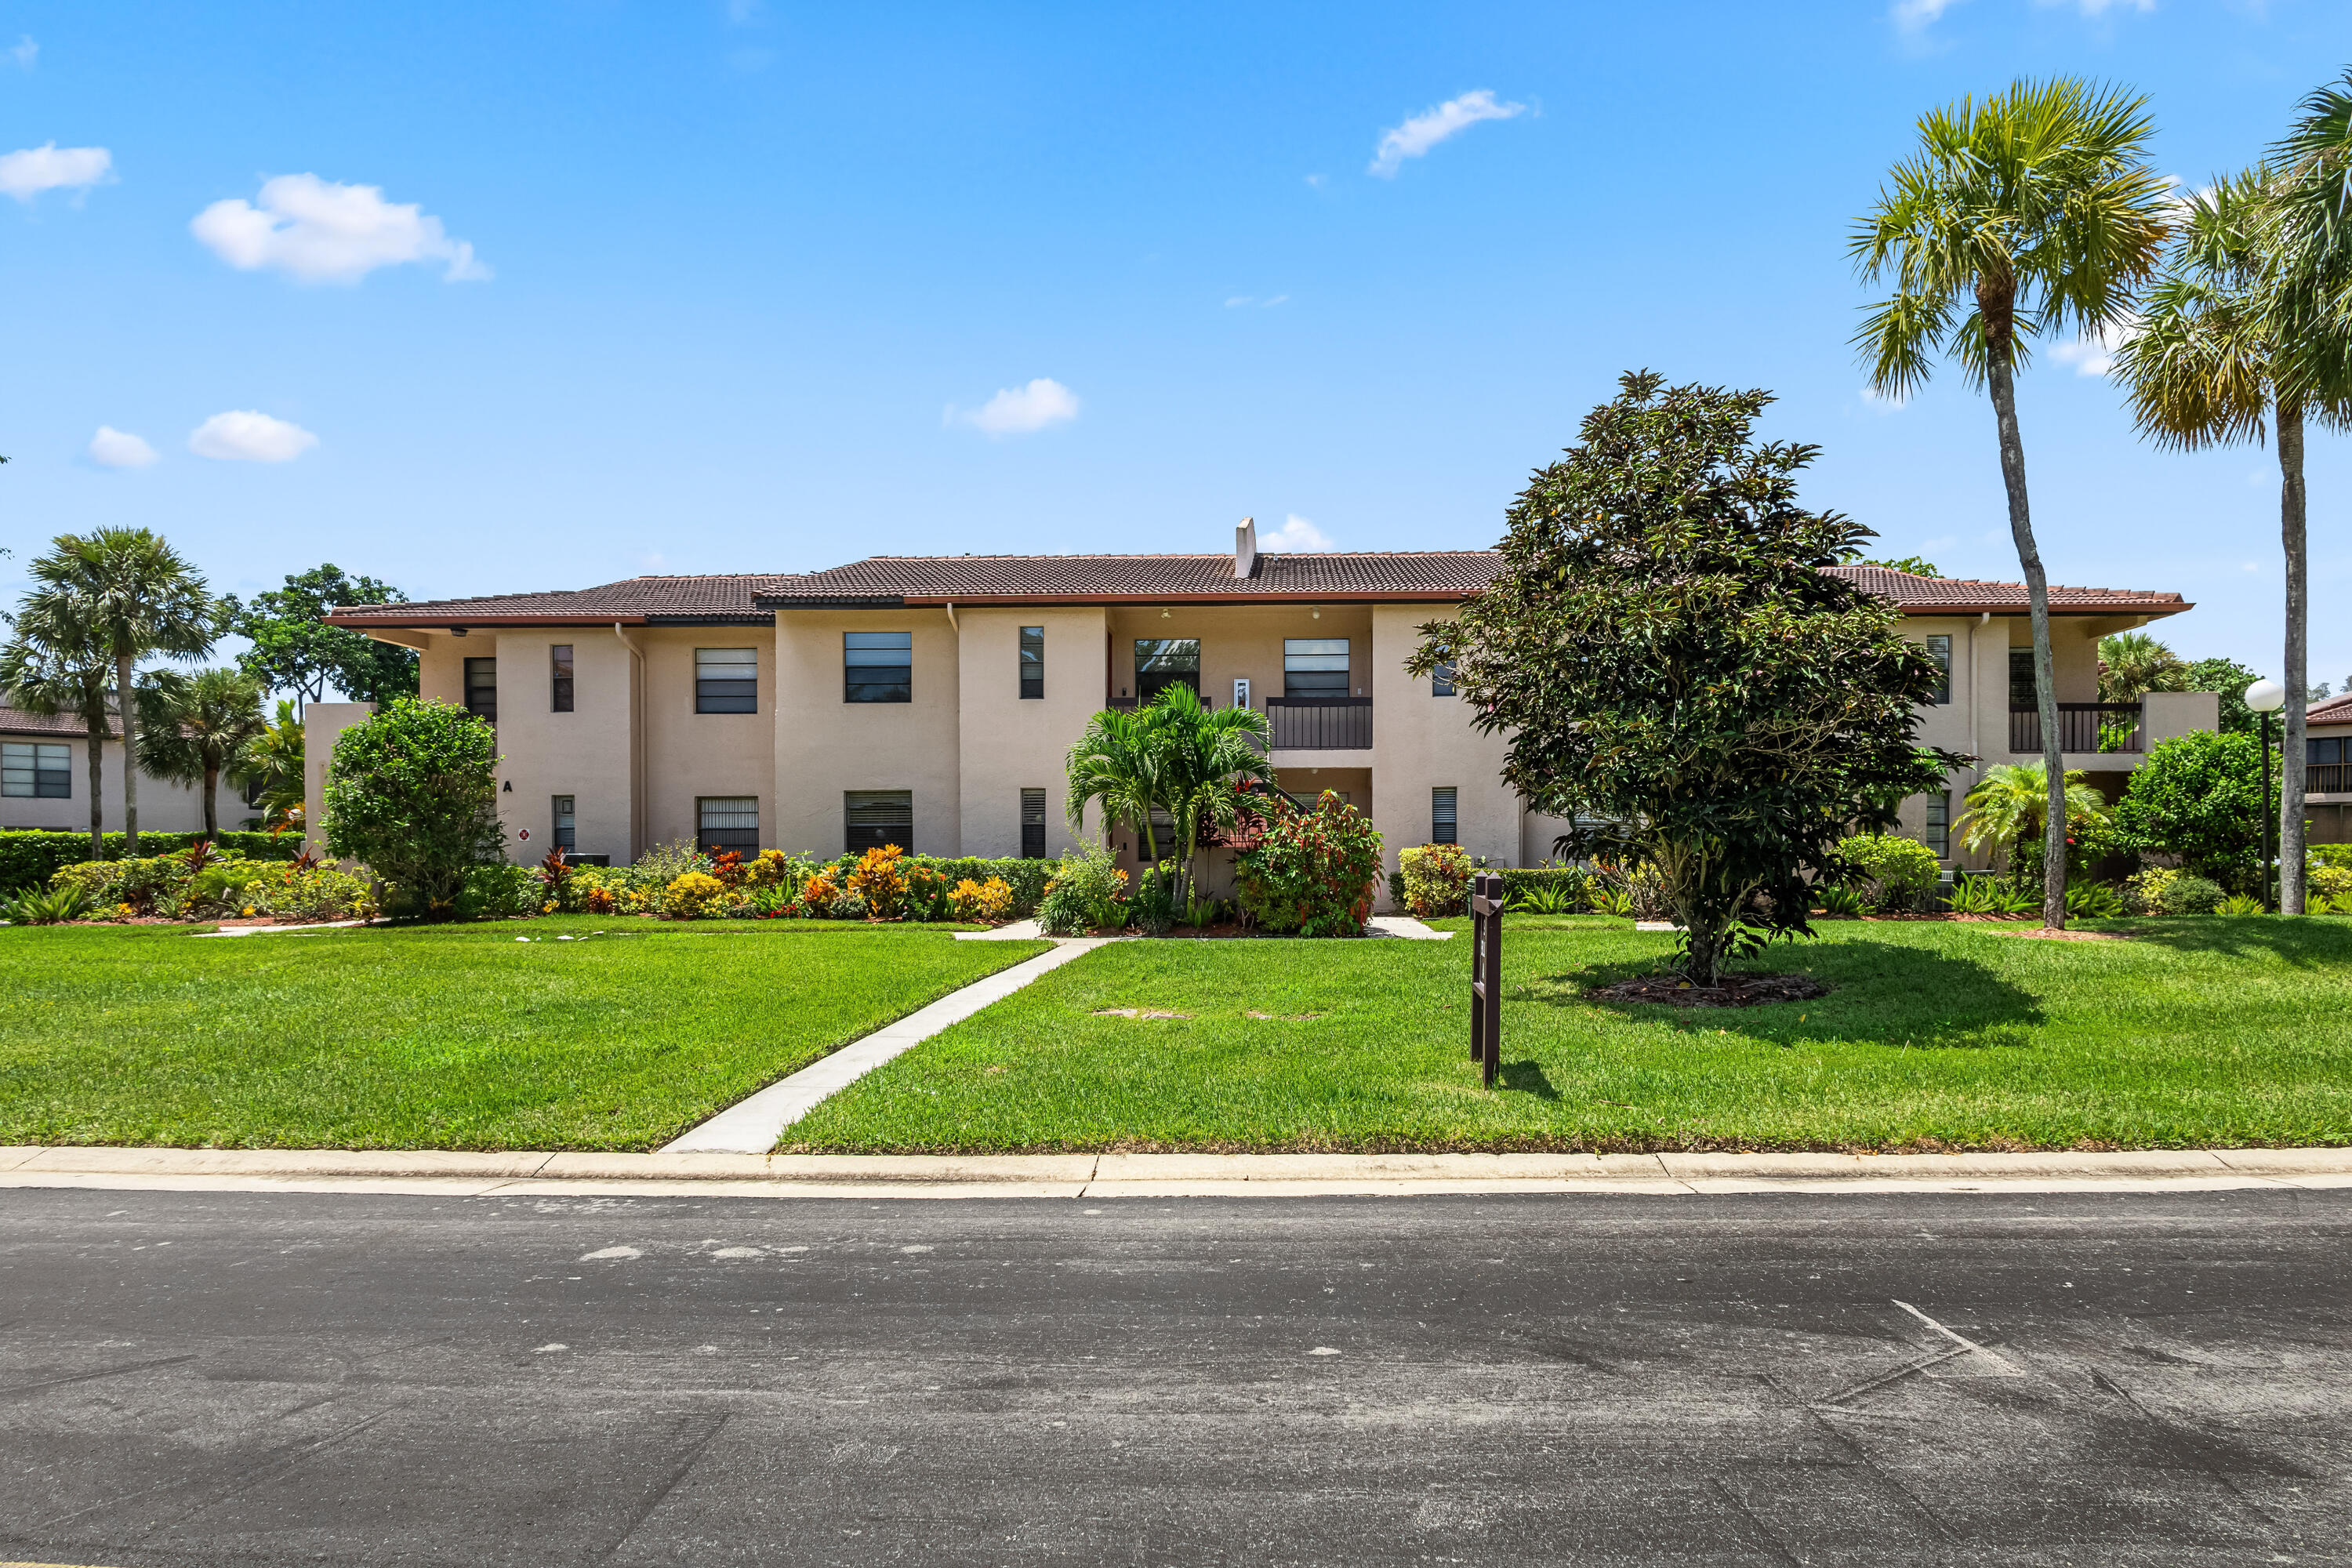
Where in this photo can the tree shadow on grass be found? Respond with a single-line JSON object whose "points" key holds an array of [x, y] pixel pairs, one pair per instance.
{"points": [[1526, 1078], [1881, 992], [2310, 942]]}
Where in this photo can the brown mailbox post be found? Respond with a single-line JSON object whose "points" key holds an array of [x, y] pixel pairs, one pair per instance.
{"points": [[1487, 899]]}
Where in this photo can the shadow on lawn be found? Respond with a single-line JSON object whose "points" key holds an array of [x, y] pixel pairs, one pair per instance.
{"points": [[2301, 943], [1882, 992]]}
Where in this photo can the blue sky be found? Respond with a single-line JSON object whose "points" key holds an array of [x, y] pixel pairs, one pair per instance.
{"points": [[709, 287]]}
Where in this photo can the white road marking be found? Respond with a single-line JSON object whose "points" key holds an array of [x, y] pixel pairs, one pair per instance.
{"points": [[544, 1349], [737, 1252], [1322, 1349], [612, 1252], [914, 1249], [2007, 1367]]}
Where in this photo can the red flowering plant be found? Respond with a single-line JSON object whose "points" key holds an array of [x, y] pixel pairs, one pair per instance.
{"points": [[1312, 872]]}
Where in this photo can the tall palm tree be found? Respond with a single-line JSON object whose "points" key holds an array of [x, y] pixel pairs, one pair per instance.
{"points": [[2133, 664], [199, 727], [1202, 752], [2032, 212], [1115, 766], [53, 663], [140, 597], [2203, 371], [273, 762]]}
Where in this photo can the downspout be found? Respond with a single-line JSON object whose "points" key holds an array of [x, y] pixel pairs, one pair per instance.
{"points": [[952, 620], [637, 743]]}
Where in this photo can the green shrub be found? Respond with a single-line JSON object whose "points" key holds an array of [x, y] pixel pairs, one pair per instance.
{"points": [[2092, 901], [497, 892], [1571, 880], [1088, 893], [414, 793], [44, 906], [1026, 878], [2330, 878], [30, 857], [1313, 872], [2143, 891], [1840, 902], [1898, 873], [2199, 799], [319, 893], [2240, 904], [1436, 879], [2188, 894]]}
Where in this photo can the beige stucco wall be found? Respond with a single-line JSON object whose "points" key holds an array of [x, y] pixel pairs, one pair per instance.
{"points": [[690, 755], [1009, 743], [1421, 741], [162, 807], [323, 724], [1243, 640], [585, 753], [824, 746]]}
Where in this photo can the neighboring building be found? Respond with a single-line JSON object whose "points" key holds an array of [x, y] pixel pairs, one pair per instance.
{"points": [[928, 700], [2327, 781], [45, 781]]}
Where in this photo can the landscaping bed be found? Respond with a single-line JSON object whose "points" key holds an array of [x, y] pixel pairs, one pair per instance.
{"points": [[2199, 1032], [450, 1037]]}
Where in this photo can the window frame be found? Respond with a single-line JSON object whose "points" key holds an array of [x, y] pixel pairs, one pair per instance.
{"points": [[1940, 648], [561, 669], [46, 768], [1150, 681], [709, 698], [563, 821], [488, 665], [1445, 814], [730, 836], [1033, 664], [1296, 688], [873, 689], [1032, 824], [1937, 835], [881, 834]]}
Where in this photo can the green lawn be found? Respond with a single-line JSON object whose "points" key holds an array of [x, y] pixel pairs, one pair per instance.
{"points": [[2212, 1032], [438, 1038]]}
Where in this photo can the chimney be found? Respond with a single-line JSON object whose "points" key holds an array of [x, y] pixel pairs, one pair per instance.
{"points": [[1245, 548]]}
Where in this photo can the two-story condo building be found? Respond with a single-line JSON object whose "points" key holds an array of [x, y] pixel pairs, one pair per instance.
{"points": [[928, 700]]}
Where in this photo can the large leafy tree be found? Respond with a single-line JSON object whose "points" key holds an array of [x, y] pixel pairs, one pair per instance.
{"points": [[414, 793], [199, 727], [1667, 656], [2032, 212], [136, 597], [2199, 799], [295, 650], [2204, 370], [54, 662], [2227, 680]]}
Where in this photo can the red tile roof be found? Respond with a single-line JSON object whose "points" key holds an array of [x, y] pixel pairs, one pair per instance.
{"points": [[18, 722], [1439, 575], [2334, 711]]}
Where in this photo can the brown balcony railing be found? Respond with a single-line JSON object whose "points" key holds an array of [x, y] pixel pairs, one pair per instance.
{"points": [[2327, 778], [1320, 723], [2081, 727]]}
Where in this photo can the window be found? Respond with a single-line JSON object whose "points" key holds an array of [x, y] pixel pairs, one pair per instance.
{"points": [[877, 666], [565, 838], [31, 770], [1938, 835], [1443, 822], [2326, 748], [482, 687], [560, 658], [1033, 824], [2020, 679], [1939, 649], [878, 817], [1440, 679], [1314, 667], [727, 822], [1032, 661], [726, 680], [1163, 662]]}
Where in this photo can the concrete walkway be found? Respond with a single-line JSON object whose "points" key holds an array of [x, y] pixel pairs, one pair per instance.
{"points": [[1094, 1176], [752, 1126]]}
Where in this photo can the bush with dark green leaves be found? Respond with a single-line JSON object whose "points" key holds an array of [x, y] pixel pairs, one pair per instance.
{"points": [[413, 793], [30, 857], [2198, 799]]}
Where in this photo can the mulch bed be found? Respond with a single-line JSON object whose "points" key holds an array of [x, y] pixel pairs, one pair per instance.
{"points": [[1735, 990]]}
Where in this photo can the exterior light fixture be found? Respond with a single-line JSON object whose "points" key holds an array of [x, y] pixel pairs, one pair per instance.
{"points": [[2266, 697]]}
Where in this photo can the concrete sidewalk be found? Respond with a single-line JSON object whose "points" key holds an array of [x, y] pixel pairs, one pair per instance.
{"points": [[1094, 1176]]}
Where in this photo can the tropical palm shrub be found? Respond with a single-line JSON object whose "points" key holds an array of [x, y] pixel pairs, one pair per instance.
{"points": [[1436, 879], [1312, 872], [1977, 896], [2006, 814], [1840, 903], [1544, 898], [1895, 872], [1174, 760], [2094, 901], [46, 906], [197, 728], [2239, 904]]}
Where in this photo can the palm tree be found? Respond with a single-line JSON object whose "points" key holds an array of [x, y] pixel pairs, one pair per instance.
{"points": [[139, 598], [2307, 310], [53, 664], [198, 727], [1202, 753], [274, 763], [2032, 212], [2133, 664], [2009, 806], [1116, 765]]}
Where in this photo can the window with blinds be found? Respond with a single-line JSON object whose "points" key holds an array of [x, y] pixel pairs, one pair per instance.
{"points": [[727, 822], [482, 689], [876, 817], [877, 666], [1443, 822], [1033, 824], [1163, 662], [1314, 667], [1938, 834], [560, 678], [1939, 649], [2022, 694], [1032, 661], [726, 680], [33, 771], [566, 835]]}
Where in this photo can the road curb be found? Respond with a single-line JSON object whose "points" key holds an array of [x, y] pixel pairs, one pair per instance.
{"points": [[699, 1174]]}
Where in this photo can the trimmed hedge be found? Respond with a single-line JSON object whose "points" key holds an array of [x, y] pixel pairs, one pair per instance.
{"points": [[1027, 879], [30, 856]]}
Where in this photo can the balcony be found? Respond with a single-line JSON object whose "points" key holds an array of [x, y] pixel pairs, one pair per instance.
{"points": [[2081, 727], [1320, 723], [2327, 778]]}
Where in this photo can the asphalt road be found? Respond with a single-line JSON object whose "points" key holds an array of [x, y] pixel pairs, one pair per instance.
{"points": [[264, 1379]]}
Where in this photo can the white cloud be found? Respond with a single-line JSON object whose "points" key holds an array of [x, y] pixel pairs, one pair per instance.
{"points": [[243, 435], [1418, 135], [322, 232], [1238, 300], [2097, 8], [1885, 402], [115, 449], [26, 172], [1296, 536], [1912, 17], [2094, 353], [24, 52], [1018, 410]]}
